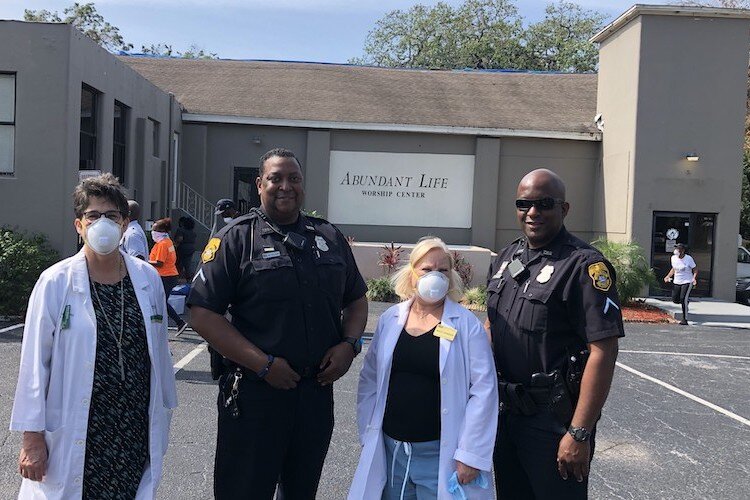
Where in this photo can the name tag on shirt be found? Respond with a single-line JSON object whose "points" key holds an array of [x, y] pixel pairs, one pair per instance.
{"points": [[157, 318], [65, 318], [271, 255], [445, 332]]}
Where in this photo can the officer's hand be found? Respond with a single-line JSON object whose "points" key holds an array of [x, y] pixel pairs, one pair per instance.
{"points": [[573, 458], [281, 375], [466, 474], [32, 461], [667, 279], [335, 363]]}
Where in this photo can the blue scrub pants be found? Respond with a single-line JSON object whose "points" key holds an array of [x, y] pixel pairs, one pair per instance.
{"points": [[412, 470]]}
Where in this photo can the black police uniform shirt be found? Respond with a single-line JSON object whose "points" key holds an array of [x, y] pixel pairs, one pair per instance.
{"points": [[285, 301], [565, 299]]}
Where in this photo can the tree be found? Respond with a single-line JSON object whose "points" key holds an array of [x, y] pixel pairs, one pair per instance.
{"points": [[86, 19], [165, 50], [560, 42], [483, 34]]}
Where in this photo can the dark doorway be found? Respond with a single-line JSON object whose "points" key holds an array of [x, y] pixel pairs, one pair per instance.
{"points": [[692, 229], [245, 191]]}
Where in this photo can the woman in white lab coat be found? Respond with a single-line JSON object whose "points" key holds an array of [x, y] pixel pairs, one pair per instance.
{"points": [[95, 388], [427, 401]]}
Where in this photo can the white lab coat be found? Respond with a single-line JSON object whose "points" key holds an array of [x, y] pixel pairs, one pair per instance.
{"points": [[468, 398], [57, 373]]}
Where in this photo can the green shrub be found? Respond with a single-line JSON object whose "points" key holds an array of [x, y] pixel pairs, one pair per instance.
{"points": [[476, 296], [633, 272], [381, 290], [22, 259]]}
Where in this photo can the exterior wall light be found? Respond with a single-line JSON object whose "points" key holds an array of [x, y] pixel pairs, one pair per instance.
{"points": [[692, 157]]}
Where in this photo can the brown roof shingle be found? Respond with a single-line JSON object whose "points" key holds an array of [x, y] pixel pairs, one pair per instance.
{"points": [[343, 93]]}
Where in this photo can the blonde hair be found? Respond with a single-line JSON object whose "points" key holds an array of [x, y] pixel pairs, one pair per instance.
{"points": [[402, 278]]}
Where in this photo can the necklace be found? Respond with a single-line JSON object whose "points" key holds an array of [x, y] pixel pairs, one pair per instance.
{"points": [[118, 339], [423, 314]]}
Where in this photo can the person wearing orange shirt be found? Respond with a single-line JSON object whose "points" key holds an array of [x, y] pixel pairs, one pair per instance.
{"points": [[164, 258]]}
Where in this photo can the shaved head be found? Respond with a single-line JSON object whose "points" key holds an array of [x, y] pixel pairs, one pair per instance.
{"points": [[135, 210], [542, 221], [545, 179]]}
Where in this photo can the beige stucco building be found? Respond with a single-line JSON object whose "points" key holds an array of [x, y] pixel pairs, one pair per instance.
{"points": [[392, 155]]}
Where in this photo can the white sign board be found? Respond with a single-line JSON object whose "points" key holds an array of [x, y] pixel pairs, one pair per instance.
{"points": [[401, 189]]}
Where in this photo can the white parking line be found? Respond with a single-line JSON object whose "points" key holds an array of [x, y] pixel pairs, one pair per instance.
{"points": [[9, 328], [190, 356], [725, 356], [679, 391]]}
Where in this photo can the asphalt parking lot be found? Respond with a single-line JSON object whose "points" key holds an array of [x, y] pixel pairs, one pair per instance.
{"points": [[676, 425]]}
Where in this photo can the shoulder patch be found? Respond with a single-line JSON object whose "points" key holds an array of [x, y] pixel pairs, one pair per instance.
{"points": [[600, 276], [209, 253]]}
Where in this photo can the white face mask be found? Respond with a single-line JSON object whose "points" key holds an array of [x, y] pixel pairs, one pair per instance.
{"points": [[676, 252], [157, 236], [227, 220], [103, 236], [433, 287]]}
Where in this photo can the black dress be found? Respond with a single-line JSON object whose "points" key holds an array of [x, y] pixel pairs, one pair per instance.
{"points": [[117, 437]]}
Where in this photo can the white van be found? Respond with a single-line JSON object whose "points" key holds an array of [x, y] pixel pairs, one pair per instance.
{"points": [[743, 275]]}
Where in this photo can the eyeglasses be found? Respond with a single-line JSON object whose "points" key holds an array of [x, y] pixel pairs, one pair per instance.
{"points": [[543, 204], [95, 215]]}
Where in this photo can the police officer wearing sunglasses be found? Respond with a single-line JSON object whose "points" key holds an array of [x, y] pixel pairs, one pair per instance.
{"points": [[554, 317]]}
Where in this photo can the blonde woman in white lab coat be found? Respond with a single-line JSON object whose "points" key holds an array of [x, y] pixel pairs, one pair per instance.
{"points": [[95, 388], [427, 400]]}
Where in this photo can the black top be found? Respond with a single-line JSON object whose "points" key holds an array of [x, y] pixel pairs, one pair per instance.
{"points": [[117, 437], [412, 410], [565, 299], [287, 302]]}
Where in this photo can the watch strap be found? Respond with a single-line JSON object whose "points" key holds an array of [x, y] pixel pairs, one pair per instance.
{"points": [[356, 344], [580, 434]]}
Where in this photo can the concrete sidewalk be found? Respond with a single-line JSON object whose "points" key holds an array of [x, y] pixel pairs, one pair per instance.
{"points": [[708, 312]]}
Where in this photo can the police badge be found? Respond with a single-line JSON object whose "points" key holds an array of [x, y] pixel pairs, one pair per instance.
{"points": [[600, 276]]}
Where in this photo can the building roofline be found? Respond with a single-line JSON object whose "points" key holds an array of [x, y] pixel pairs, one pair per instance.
{"points": [[391, 127], [666, 10]]}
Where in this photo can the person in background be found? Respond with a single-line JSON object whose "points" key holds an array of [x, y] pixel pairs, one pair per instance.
{"points": [[427, 398], [134, 240], [684, 276], [223, 215], [164, 257], [95, 387], [184, 242]]}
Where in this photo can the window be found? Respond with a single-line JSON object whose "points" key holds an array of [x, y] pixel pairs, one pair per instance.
{"points": [[7, 122], [155, 137], [87, 153], [119, 137], [743, 257]]}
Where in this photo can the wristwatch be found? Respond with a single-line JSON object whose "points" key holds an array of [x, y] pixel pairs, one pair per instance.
{"points": [[355, 343], [579, 434]]}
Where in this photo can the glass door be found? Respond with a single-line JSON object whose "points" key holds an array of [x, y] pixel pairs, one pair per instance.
{"points": [[245, 192], [694, 230]]}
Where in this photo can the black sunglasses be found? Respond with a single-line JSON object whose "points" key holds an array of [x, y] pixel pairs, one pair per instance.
{"points": [[543, 204]]}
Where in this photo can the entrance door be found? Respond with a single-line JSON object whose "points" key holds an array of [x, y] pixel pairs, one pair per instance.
{"points": [[694, 230], [245, 191]]}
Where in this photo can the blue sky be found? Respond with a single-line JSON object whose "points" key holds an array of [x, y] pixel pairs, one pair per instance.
{"points": [[291, 30]]}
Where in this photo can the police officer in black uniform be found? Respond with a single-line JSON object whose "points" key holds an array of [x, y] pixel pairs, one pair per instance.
{"points": [[298, 310], [554, 317]]}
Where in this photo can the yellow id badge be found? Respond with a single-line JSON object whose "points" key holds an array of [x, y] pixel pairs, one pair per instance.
{"points": [[445, 332]]}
